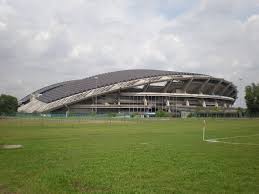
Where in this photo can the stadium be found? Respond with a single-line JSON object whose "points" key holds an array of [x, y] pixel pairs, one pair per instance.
{"points": [[133, 91]]}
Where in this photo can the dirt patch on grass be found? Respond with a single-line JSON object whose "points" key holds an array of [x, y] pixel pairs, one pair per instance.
{"points": [[5, 190], [81, 187], [17, 146]]}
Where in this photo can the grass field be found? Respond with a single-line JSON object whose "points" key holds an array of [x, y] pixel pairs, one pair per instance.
{"points": [[166, 156]]}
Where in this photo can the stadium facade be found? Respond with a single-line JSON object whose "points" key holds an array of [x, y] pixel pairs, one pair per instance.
{"points": [[138, 90]]}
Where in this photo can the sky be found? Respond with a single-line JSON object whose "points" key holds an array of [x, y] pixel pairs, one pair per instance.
{"points": [[45, 42]]}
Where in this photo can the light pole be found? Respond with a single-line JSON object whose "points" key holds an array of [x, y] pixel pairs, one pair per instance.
{"points": [[96, 84], [175, 81], [240, 82], [176, 105]]}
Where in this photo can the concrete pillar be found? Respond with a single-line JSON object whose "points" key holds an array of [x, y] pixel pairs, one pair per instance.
{"points": [[145, 101], [216, 104], [225, 105], [167, 103], [68, 111], [187, 103], [203, 103]]}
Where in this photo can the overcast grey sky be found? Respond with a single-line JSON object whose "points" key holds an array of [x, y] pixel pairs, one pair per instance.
{"points": [[48, 41]]}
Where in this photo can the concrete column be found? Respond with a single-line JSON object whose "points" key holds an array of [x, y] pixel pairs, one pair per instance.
{"points": [[145, 101], [187, 103], [203, 103], [68, 111], [216, 104], [167, 103]]}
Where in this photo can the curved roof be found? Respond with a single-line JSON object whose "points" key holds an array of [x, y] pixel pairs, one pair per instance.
{"points": [[60, 90]]}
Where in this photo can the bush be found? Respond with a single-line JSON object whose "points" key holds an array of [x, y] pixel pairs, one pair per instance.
{"points": [[162, 113], [133, 115], [112, 114]]}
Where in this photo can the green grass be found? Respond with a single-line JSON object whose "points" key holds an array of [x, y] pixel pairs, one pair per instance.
{"points": [[128, 157]]}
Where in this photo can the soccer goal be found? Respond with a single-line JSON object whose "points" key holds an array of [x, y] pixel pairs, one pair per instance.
{"points": [[230, 134]]}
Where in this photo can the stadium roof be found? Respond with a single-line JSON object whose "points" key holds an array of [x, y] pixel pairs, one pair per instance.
{"points": [[68, 88]]}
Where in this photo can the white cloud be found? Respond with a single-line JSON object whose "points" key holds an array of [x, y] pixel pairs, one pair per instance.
{"points": [[80, 50], [42, 36], [3, 25], [253, 18]]}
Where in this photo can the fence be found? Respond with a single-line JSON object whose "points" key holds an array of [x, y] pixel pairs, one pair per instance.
{"points": [[93, 116]]}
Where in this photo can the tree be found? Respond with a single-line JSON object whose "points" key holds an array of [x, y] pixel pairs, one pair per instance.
{"points": [[252, 98], [8, 104]]}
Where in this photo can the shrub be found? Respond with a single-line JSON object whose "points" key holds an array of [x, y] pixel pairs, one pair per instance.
{"points": [[162, 113]]}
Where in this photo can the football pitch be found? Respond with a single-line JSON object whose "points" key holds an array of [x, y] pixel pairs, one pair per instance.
{"points": [[134, 156]]}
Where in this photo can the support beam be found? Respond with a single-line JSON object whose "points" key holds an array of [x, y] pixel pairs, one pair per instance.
{"points": [[167, 86], [146, 87], [230, 91], [203, 86], [216, 87], [233, 94], [225, 89], [187, 85]]}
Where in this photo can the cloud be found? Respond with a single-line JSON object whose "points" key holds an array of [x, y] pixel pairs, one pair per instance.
{"points": [[43, 42]]}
